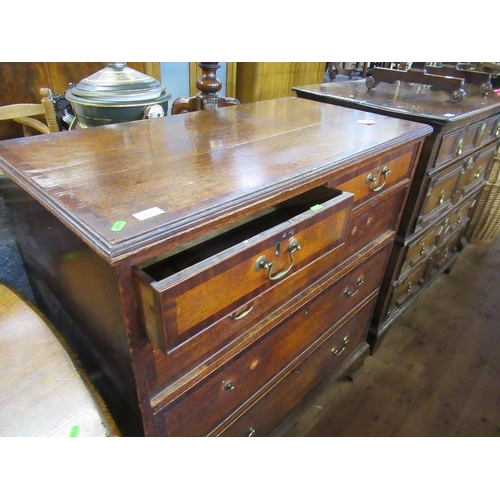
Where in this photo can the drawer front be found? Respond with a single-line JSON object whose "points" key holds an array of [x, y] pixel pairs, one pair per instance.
{"points": [[472, 136], [419, 250], [456, 217], [369, 180], [443, 254], [371, 226], [476, 167], [179, 306], [461, 142], [489, 131], [269, 410], [441, 192], [367, 225], [406, 287], [204, 406], [452, 147]]}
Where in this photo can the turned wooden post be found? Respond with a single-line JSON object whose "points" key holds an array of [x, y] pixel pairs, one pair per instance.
{"points": [[207, 98]]}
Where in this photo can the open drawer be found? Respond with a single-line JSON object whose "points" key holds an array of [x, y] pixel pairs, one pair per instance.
{"points": [[189, 289]]}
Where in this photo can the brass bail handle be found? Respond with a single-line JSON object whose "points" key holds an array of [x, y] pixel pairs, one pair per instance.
{"points": [[263, 263], [355, 290], [373, 179], [338, 351]]}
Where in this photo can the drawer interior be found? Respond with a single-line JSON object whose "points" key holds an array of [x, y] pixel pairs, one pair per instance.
{"points": [[202, 249]]}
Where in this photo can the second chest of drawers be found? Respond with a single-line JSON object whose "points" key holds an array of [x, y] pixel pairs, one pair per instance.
{"points": [[455, 160]]}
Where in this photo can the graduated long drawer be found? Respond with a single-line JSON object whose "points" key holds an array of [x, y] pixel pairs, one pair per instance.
{"points": [[188, 291]]}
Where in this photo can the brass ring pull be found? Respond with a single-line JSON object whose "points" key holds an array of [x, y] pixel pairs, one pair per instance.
{"points": [[242, 314], [374, 178], [355, 290], [338, 352], [263, 263]]}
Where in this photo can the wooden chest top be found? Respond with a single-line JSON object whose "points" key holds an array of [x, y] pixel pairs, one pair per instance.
{"points": [[406, 100], [129, 187]]}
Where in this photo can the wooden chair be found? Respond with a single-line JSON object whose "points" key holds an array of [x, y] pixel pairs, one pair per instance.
{"points": [[25, 115], [43, 390], [208, 84]]}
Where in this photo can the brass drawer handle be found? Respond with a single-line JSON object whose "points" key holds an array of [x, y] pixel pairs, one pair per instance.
{"points": [[409, 287], [423, 249], [478, 173], [338, 352], [229, 385], [250, 432], [460, 146], [442, 194], [242, 314], [481, 133], [374, 178], [354, 290], [497, 131], [263, 263]]}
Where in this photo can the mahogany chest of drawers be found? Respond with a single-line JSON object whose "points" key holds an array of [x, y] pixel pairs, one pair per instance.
{"points": [[211, 268], [452, 168]]}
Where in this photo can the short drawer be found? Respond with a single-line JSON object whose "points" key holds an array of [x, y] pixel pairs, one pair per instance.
{"points": [[476, 167], [205, 405], [184, 293], [373, 221], [419, 249], [461, 142], [406, 287], [452, 147], [272, 408], [371, 179], [455, 218], [488, 131], [441, 192], [444, 253], [473, 136]]}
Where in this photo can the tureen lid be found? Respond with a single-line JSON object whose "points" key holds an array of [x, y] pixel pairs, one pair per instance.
{"points": [[118, 83]]}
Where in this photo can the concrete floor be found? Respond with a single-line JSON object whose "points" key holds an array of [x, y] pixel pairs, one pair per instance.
{"points": [[437, 372]]}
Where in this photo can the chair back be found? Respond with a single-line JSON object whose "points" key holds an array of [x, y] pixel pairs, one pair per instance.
{"points": [[27, 115]]}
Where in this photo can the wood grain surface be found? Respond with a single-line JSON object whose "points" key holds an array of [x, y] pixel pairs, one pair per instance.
{"points": [[192, 169], [42, 393]]}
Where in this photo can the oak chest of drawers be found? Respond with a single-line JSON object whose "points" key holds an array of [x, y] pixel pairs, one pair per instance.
{"points": [[452, 168], [212, 268]]}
